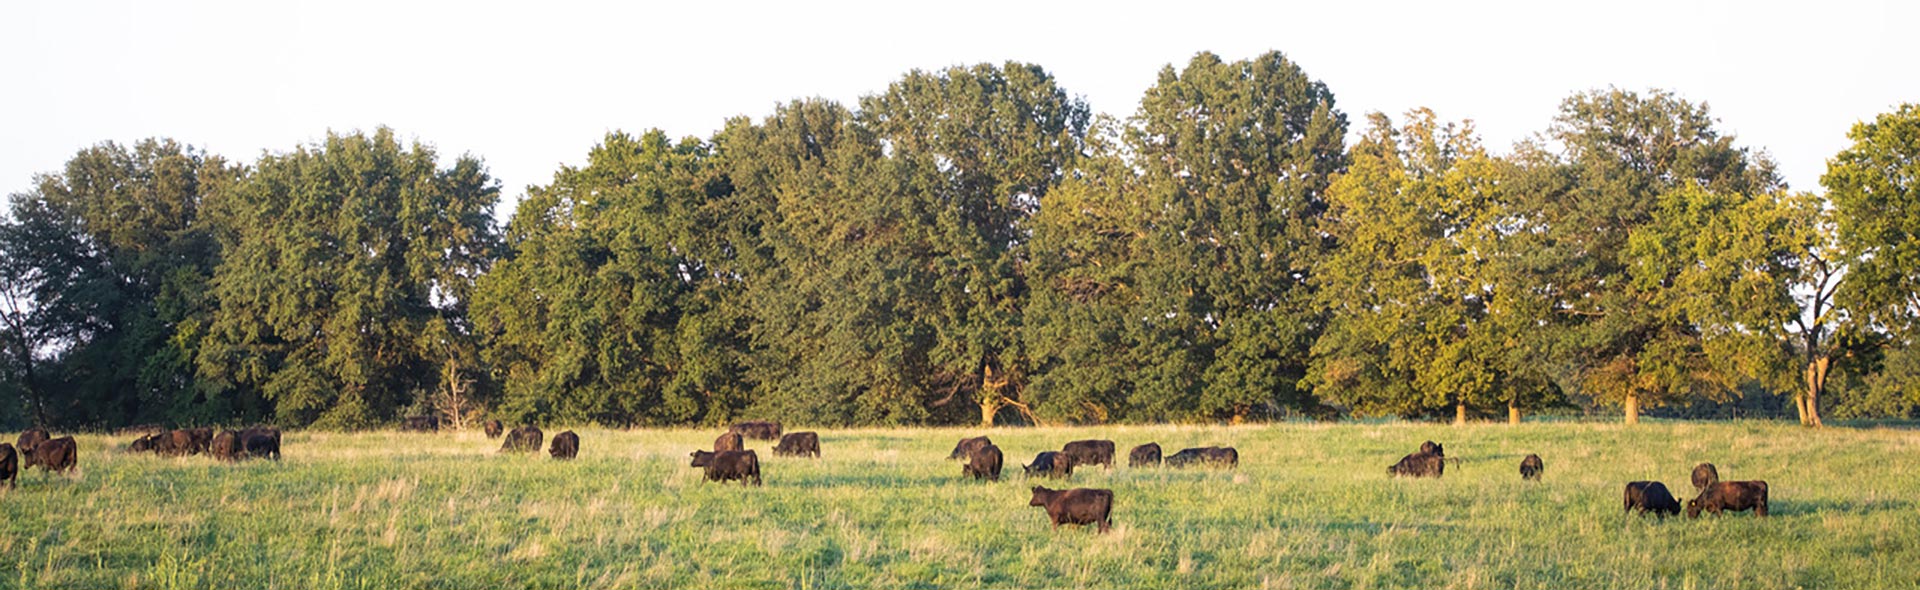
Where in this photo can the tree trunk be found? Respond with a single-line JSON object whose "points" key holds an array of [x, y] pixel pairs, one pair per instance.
{"points": [[1459, 414], [988, 408], [1817, 372], [1633, 408], [1800, 408], [1513, 413]]}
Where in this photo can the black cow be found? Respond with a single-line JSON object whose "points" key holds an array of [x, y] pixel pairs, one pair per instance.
{"points": [[261, 442], [983, 463], [1080, 506], [59, 455], [1433, 448], [1421, 464], [421, 423], [525, 439], [566, 445], [1144, 455], [1204, 456], [9, 465], [1704, 475], [729, 465], [1650, 496], [202, 440], [1531, 468], [758, 429], [226, 446], [1049, 464], [1737, 496], [1089, 452], [143, 444], [178, 442], [798, 444], [29, 439], [968, 445], [494, 429], [729, 441]]}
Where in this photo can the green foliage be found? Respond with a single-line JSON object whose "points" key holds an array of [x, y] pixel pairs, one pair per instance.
{"points": [[1875, 189], [337, 260]]}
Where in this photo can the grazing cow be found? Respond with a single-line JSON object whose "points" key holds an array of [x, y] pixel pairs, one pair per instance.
{"points": [[1737, 496], [1650, 496], [566, 445], [1144, 455], [421, 423], [1531, 468], [798, 444], [9, 465], [29, 439], [759, 429], [729, 441], [1080, 506], [226, 446], [1433, 448], [178, 442], [729, 465], [1050, 464], [525, 439], [1704, 475], [1217, 456], [1421, 464], [142, 444], [260, 441], [1089, 452], [968, 445], [54, 455], [983, 463], [202, 440], [494, 429]]}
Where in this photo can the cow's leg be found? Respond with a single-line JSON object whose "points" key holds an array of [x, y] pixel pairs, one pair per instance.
{"points": [[1761, 509]]}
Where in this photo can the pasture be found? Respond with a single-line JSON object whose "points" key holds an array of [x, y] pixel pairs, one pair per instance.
{"points": [[1310, 506]]}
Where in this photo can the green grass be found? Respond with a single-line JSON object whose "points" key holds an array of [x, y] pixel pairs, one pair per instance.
{"points": [[1309, 507]]}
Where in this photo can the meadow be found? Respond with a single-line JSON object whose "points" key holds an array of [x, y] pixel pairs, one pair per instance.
{"points": [[1310, 506]]}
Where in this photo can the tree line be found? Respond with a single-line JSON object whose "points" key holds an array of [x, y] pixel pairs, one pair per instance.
{"points": [[974, 245]]}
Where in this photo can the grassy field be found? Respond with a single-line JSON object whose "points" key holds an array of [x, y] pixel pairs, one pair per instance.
{"points": [[1310, 507]]}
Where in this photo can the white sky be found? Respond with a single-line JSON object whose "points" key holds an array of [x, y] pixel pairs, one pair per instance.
{"points": [[531, 85]]}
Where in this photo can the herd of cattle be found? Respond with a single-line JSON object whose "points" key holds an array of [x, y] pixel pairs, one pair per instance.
{"points": [[730, 460]]}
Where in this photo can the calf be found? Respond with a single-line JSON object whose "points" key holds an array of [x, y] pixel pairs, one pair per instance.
{"points": [[798, 444], [1049, 464], [1531, 468], [566, 445], [730, 441], [260, 441], [58, 455], [968, 445], [1204, 456], [1704, 475], [1080, 506], [493, 428], [729, 465], [983, 463], [1737, 496], [525, 439], [226, 446], [1421, 464], [760, 429], [1144, 455], [9, 465], [1089, 452], [30, 438], [1650, 496]]}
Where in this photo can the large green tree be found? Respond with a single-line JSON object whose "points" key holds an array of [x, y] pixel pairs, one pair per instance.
{"points": [[1617, 153], [1865, 274], [347, 267], [106, 264], [1426, 311]]}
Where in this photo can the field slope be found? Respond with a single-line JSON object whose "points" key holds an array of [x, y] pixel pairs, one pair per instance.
{"points": [[1309, 507]]}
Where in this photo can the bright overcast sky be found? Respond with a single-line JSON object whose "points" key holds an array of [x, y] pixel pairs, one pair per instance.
{"points": [[529, 86]]}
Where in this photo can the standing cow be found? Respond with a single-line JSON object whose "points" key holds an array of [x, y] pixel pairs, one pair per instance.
{"points": [[525, 439], [757, 429], [1704, 475], [1082, 506], [1049, 464], [728, 466], [1204, 456], [1144, 455], [55, 455], [226, 446], [1421, 464], [1531, 468], [1650, 496], [9, 465], [261, 442], [798, 444], [1089, 452], [968, 445], [1737, 496], [29, 439], [729, 441], [983, 463], [566, 445], [493, 428]]}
